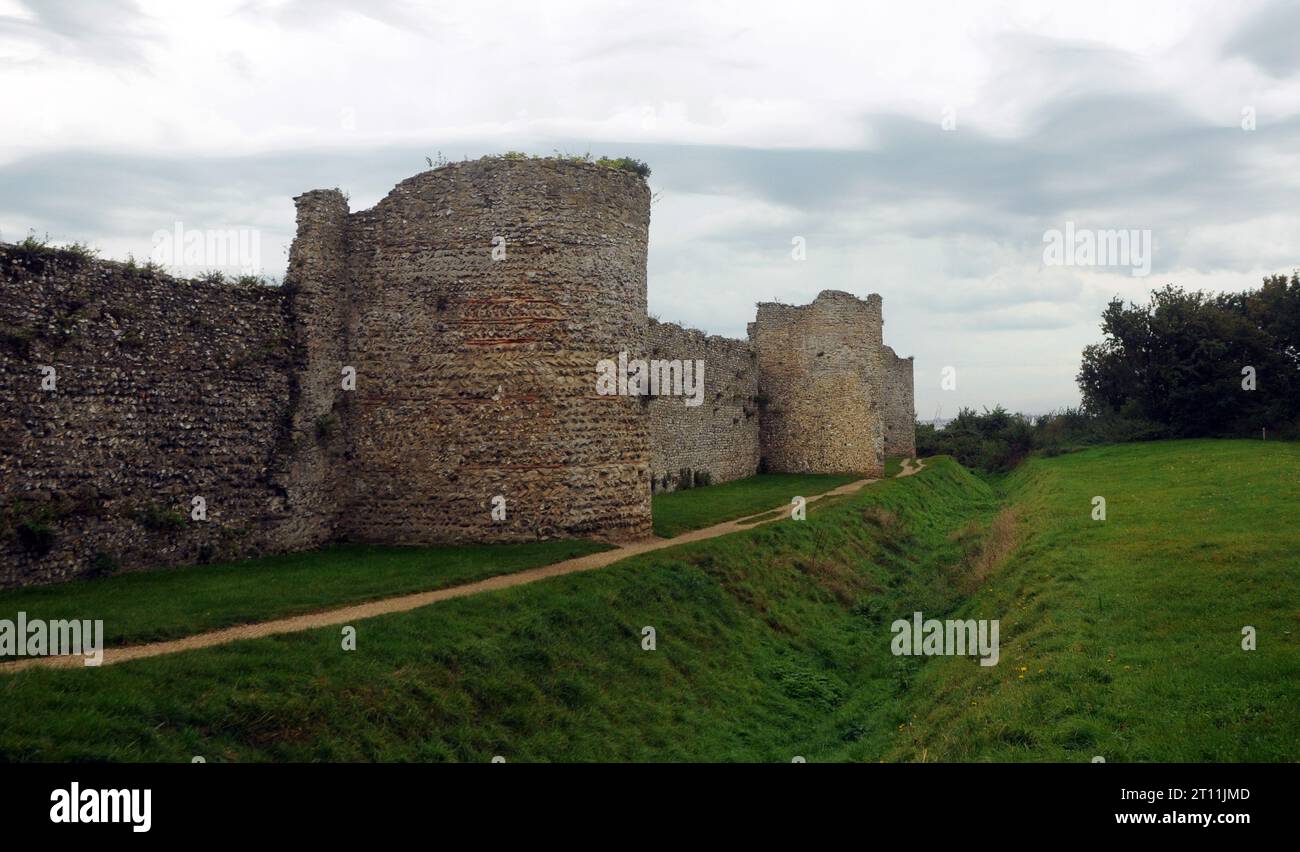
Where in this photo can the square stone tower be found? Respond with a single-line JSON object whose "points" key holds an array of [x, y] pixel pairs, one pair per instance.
{"points": [[820, 379]]}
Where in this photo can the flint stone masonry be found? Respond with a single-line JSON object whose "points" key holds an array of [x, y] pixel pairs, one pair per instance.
{"points": [[165, 390], [819, 379], [900, 405], [719, 437], [317, 303], [475, 377]]}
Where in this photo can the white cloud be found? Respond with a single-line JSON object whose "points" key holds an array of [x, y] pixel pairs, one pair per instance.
{"points": [[233, 75], [762, 120]]}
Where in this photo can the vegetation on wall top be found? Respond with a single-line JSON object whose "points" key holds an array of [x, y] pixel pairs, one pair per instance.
{"points": [[626, 164]]}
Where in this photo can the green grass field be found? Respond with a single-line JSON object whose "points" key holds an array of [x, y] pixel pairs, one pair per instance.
{"points": [[1122, 638], [153, 606], [146, 607], [676, 512], [1119, 638]]}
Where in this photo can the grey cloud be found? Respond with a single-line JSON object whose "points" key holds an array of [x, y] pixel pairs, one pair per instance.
{"points": [[1139, 155], [96, 198], [1267, 39], [113, 32], [1034, 319]]}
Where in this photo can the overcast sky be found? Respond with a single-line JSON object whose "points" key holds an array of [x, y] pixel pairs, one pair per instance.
{"points": [[922, 150]]}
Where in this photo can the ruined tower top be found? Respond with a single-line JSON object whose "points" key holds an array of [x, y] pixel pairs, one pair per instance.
{"points": [[819, 369]]}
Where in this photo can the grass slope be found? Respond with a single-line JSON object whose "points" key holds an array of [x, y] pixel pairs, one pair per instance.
{"points": [[1119, 638], [152, 606], [156, 605], [770, 643], [1122, 638], [676, 512]]}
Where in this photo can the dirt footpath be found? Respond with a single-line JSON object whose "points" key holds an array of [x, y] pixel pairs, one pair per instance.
{"points": [[349, 614]]}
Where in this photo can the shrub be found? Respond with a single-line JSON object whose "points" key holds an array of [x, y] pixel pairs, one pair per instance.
{"points": [[627, 164], [18, 340], [326, 426], [103, 564], [997, 440], [155, 517], [82, 252], [35, 537], [33, 253], [994, 441]]}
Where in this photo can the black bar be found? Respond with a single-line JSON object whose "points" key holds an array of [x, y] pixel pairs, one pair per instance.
{"points": [[305, 800]]}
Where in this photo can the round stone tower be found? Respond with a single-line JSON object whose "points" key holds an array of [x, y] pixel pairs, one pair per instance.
{"points": [[483, 295]]}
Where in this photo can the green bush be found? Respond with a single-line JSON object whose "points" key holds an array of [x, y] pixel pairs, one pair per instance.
{"points": [[33, 253], [103, 564], [326, 426], [627, 164], [997, 440], [17, 339], [35, 537], [157, 517]]}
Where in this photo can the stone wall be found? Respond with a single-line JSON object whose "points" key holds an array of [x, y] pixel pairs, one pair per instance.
{"points": [[719, 437], [899, 405], [818, 368], [164, 390], [476, 373], [472, 304]]}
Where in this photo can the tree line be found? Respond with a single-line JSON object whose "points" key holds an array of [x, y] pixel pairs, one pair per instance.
{"points": [[1187, 364]]}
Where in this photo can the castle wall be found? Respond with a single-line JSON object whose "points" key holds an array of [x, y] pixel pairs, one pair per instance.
{"points": [[474, 303], [718, 437], [476, 376], [899, 405], [818, 366], [164, 390]]}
